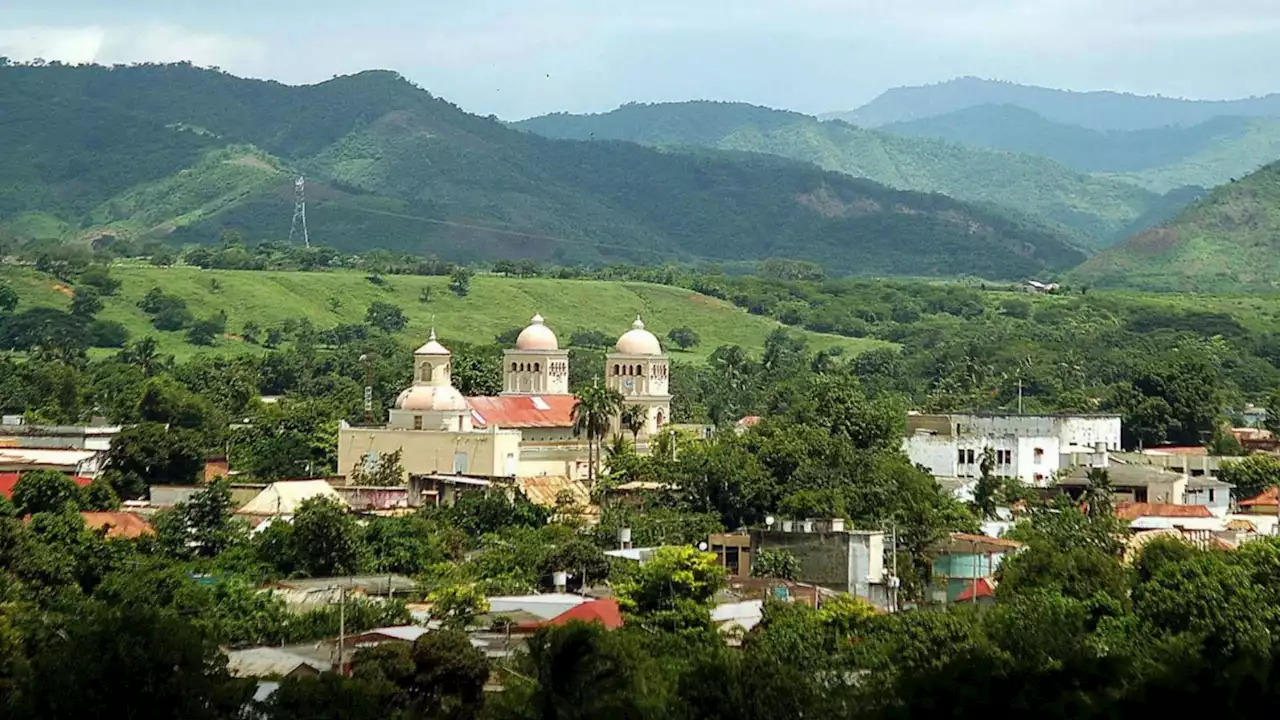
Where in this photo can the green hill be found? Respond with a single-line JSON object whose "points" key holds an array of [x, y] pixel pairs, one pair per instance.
{"points": [[182, 153], [494, 305], [1098, 110], [1226, 241], [1159, 159], [1099, 208]]}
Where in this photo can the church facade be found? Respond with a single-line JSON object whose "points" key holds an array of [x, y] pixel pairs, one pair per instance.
{"points": [[527, 430]]}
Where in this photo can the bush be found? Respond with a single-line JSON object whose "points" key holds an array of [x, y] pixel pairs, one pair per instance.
{"points": [[107, 334]]}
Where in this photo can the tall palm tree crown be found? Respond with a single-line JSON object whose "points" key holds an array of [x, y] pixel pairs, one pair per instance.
{"points": [[594, 410]]}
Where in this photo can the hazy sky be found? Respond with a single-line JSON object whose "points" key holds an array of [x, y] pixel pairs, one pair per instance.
{"points": [[520, 58]]}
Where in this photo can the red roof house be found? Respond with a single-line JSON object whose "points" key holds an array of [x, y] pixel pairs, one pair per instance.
{"points": [[1133, 511], [1267, 501], [983, 588], [605, 611]]}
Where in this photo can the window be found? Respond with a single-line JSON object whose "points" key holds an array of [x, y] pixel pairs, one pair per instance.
{"points": [[1039, 477], [960, 456], [417, 422], [615, 369], [537, 367], [1004, 457], [513, 367], [459, 463], [659, 418], [968, 456], [1038, 456], [1210, 494]]}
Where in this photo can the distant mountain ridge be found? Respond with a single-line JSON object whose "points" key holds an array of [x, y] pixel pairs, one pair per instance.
{"points": [[178, 152], [1227, 241], [1159, 159], [1098, 110], [1101, 209]]}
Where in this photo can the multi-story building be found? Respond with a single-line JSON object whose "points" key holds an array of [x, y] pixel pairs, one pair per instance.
{"points": [[1029, 447]]}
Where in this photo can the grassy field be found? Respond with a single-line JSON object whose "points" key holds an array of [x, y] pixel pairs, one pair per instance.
{"points": [[494, 305]]}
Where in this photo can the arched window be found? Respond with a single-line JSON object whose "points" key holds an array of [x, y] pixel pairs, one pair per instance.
{"points": [[513, 367], [615, 369], [660, 418], [639, 370], [426, 372], [537, 367]]}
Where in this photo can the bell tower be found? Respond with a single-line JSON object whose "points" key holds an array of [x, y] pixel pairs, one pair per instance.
{"points": [[639, 371], [537, 365]]}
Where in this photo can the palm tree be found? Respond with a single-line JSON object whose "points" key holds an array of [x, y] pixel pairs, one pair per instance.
{"points": [[592, 413], [1097, 495], [634, 418]]}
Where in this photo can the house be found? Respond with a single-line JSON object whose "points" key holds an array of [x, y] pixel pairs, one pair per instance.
{"points": [[964, 566], [1145, 483], [1028, 447], [284, 497], [84, 463], [1265, 503], [1157, 516], [272, 662], [306, 593], [15, 433], [604, 611], [545, 606], [849, 561]]}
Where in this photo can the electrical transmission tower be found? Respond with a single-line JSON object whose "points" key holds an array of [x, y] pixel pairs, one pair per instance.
{"points": [[299, 211]]}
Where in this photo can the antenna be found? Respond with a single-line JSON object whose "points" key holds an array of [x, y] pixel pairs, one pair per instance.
{"points": [[299, 211]]}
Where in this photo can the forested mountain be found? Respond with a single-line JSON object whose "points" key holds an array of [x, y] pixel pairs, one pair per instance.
{"points": [[1101, 209], [1160, 159], [1227, 241], [181, 152], [1099, 110]]}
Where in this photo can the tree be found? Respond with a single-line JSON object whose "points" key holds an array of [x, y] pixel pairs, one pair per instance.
{"points": [[593, 412], [205, 332], [328, 697], [40, 491], [144, 354], [455, 606], [99, 278], [251, 332], [86, 303], [148, 454], [683, 337], [100, 496], [164, 257], [1251, 475], [460, 280], [387, 471], [424, 295], [204, 525], [449, 676], [107, 334], [779, 564], [634, 418], [326, 538], [386, 317], [673, 590], [1271, 422], [1097, 496], [8, 297], [986, 493]]}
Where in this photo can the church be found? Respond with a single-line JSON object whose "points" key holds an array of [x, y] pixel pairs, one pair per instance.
{"points": [[525, 432]]}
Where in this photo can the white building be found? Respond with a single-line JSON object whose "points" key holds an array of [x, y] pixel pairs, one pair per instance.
{"points": [[1029, 447]]}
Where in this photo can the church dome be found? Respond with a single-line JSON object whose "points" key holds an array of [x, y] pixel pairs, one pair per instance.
{"points": [[638, 341], [537, 337], [440, 398]]}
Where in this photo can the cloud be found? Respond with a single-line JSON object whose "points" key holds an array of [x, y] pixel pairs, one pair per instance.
{"points": [[154, 42]]}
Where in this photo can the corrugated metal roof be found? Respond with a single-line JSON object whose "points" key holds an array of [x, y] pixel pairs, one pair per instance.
{"points": [[118, 524], [268, 662], [522, 411], [545, 489], [1133, 511], [284, 497], [1268, 497], [45, 456]]}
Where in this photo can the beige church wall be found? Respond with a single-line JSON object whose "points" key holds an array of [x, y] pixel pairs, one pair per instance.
{"points": [[424, 452]]}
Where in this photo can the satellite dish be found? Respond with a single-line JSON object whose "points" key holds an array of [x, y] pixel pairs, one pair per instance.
{"points": [[702, 546], [769, 521]]}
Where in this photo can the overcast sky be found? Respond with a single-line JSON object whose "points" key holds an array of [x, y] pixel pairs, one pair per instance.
{"points": [[526, 57]]}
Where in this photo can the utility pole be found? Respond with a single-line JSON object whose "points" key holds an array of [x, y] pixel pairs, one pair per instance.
{"points": [[342, 626], [1019, 395], [368, 389]]}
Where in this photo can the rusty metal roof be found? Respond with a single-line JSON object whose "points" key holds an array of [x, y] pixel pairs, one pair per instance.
{"points": [[523, 411], [118, 524], [1133, 511], [544, 489]]}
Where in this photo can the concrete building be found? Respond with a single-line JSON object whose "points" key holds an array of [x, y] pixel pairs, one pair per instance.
{"points": [[849, 561], [964, 566], [1029, 447]]}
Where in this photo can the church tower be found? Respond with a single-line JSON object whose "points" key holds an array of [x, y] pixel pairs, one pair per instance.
{"points": [[431, 402], [537, 365], [641, 373]]}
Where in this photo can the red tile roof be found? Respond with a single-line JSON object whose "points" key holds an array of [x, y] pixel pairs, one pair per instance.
{"points": [[1269, 497], [118, 524], [523, 411], [9, 479], [982, 588], [749, 421], [605, 611], [1133, 511]]}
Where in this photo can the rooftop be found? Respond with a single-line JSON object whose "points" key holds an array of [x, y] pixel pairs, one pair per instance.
{"points": [[118, 524], [45, 456], [1133, 511], [9, 479], [523, 411], [1268, 498]]}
